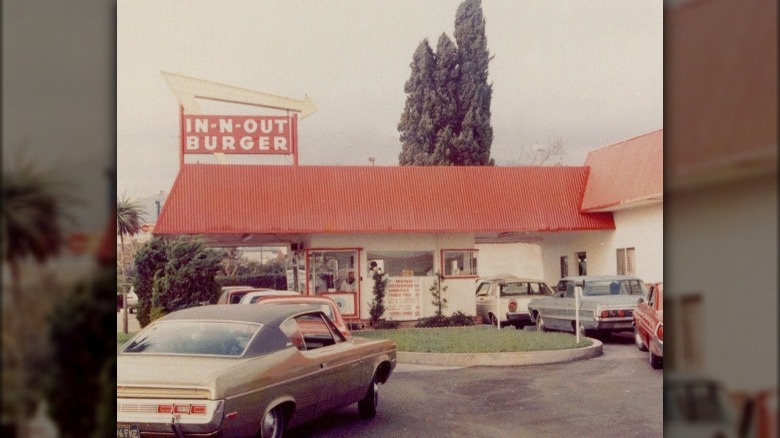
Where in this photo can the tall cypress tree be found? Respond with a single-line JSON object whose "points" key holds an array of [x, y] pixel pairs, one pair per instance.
{"points": [[446, 119], [446, 79], [475, 137], [416, 126]]}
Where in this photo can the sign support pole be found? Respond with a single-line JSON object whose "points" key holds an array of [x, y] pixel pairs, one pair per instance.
{"points": [[181, 137]]}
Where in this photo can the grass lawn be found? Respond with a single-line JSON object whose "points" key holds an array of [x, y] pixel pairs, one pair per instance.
{"points": [[480, 339]]}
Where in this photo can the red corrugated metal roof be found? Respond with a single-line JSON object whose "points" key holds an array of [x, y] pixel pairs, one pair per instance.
{"points": [[625, 172], [213, 199], [721, 72]]}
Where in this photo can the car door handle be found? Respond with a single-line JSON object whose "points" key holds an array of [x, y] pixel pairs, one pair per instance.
{"points": [[323, 365]]}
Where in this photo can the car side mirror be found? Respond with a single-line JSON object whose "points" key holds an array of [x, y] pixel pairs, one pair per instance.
{"points": [[560, 294], [640, 301]]}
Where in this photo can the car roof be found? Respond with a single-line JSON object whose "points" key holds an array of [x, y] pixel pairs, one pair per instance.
{"points": [[264, 292], [272, 315], [296, 299], [510, 278], [600, 278]]}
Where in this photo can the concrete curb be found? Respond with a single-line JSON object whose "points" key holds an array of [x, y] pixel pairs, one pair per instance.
{"points": [[502, 359]]}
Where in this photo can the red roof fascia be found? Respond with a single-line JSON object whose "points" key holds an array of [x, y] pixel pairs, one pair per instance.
{"points": [[721, 68], [625, 172], [215, 199]]}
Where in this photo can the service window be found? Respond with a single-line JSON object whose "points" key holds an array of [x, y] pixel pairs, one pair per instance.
{"points": [[401, 263], [459, 262], [333, 270]]}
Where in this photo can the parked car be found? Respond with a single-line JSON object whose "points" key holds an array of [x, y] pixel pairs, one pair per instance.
{"points": [[606, 306], [327, 305], [251, 297], [233, 294], [506, 297], [649, 325], [132, 301], [697, 406], [244, 371], [761, 415]]}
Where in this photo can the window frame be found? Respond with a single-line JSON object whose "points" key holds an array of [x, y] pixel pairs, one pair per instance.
{"points": [[474, 257]]}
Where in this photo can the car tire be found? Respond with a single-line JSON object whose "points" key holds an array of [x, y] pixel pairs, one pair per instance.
{"points": [[367, 406], [656, 362], [640, 344], [540, 324], [493, 320], [272, 425]]}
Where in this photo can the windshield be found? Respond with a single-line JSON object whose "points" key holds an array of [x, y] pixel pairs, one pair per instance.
{"points": [[614, 287], [194, 338]]}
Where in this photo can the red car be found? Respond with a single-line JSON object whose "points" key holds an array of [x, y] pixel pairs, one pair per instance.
{"points": [[328, 307], [649, 325]]}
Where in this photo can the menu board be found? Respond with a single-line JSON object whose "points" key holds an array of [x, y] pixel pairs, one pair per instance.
{"points": [[403, 299]]}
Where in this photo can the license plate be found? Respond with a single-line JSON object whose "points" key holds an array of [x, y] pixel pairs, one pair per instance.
{"points": [[127, 431]]}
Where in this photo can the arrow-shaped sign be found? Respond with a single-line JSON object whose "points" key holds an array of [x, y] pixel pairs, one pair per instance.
{"points": [[187, 89]]}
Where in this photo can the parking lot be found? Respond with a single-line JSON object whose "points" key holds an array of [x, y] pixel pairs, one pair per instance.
{"points": [[617, 394]]}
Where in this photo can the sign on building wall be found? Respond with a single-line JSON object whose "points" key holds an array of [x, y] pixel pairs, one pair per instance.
{"points": [[403, 298], [255, 135]]}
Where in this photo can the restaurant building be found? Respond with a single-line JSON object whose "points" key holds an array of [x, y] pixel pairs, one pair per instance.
{"points": [[415, 223]]}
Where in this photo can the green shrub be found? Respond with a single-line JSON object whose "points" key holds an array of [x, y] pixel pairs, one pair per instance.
{"points": [[156, 312], [175, 274], [382, 324], [434, 321], [461, 319], [457, 319]]}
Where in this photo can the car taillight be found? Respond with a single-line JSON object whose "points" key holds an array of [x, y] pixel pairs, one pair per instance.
{"points": [[512, 305], [660, 332], [616, 313], [182, 409]]}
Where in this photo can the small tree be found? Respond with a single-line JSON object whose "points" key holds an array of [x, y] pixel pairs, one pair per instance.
{"points": [[437, 290], [378, 303]]}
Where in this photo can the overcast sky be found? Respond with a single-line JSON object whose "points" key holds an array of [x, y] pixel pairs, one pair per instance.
{"points": [[589, 72]]}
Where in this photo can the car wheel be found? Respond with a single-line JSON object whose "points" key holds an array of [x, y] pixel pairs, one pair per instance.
{"points": [[540, 324], [640, 344], [367, 406], [272, 425], [493, 320], [657, 362]]}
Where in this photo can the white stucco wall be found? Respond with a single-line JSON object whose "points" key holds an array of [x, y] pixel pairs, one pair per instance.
{"points": [[460, 292], [722, 244], [641, 228], [519, 259]]}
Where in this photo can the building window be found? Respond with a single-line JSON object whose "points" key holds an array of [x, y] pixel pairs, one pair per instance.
{"points": [[401, 263], [459, 262], [626, 261], [582, 263], [564, 266], [332, 270]]}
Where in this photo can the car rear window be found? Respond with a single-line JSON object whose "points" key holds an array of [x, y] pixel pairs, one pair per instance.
{"points": [[614, 287], [194, 338]]}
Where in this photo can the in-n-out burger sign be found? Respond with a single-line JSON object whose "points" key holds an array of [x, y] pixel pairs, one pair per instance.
{"points": [[208, 134]]}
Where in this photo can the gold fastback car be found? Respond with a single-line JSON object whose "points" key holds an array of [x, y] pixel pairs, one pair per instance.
{"points": [[244, 371]]}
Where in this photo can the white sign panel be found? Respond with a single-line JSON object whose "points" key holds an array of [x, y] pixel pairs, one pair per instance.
{"points": [[403, 299]]}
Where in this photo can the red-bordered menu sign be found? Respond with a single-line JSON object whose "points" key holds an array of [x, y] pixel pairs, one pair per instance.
{"points": [[239, 135]]}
